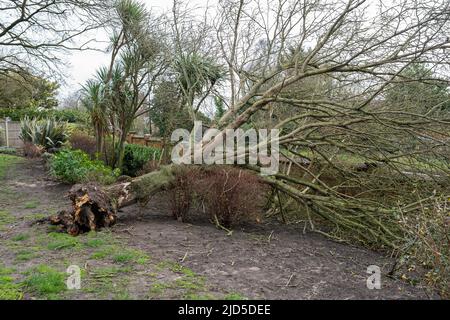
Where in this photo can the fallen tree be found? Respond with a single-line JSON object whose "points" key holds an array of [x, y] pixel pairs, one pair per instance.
{"points": [[94, 207], [344, 87]]}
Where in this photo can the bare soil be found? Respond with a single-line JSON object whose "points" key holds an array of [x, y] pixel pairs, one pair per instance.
{"points": [[185, 261]]}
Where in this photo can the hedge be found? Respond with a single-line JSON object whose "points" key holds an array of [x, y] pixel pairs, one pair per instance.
{"points": [[69, 115]]}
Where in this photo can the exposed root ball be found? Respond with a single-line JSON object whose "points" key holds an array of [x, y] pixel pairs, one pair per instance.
{"points": [[92, 209]]}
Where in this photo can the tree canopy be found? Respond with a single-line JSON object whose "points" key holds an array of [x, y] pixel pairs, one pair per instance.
{"points": [[24, 90]]}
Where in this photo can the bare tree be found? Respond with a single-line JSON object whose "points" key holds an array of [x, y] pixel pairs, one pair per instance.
{"points": [[34, 33]]}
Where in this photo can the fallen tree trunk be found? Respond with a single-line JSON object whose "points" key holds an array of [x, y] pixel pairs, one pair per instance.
{"points": [[94, 207]]}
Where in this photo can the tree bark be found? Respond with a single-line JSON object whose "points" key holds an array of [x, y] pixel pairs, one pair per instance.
{"points": [[94, 207]]}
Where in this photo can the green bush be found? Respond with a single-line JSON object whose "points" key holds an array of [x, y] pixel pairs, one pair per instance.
{"points": [[75, 166], [69, 115], [6, 150], [136, 156], [48, 133]]}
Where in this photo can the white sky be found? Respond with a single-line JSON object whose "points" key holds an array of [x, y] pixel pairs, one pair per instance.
{"points": [[82, 65]]}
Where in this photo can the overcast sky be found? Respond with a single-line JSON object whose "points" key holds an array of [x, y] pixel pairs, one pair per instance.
{"points": [[82, 65]]}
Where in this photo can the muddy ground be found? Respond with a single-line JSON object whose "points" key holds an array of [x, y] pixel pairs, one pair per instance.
{"points": [[148, 255]]}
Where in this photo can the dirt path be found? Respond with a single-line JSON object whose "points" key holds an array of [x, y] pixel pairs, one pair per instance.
{"points": [[150, 256]]}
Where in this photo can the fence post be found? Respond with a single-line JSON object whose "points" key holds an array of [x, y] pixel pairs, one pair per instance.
{"points": [[7, 119]]}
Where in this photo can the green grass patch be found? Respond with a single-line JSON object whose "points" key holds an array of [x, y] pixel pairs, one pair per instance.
{"points": [[105, 252], [103, 240], [45, 282], [131, 255], [20, 237], [158, 288], [7, 162], [234, 296], [175, 267], [195, 296], [35, 216], [108, 248], [31, 204], [108, 282], [5, 219], [8, 289], [59, 241], [122, 295], [191, 285], [94, 243], [110, 271], [25, 255]]}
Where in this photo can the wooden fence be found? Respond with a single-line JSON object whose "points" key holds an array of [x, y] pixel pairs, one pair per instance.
{"points": [[145, 140], [9, 134]]}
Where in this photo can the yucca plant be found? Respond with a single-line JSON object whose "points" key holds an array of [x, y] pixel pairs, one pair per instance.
{"points": [[48, 133], [95, 103]]}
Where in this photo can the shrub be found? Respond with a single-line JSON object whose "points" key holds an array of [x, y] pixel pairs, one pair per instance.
{"points": [[229, 195], [136, 156], [150, 166], [8, 150], [427, 242], [31, 150], [84, 142], [75, 166], [181, 193], [48, 133]]}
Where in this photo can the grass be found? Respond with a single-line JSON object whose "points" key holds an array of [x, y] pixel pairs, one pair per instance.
{"points": [[94, 243], [158, 288], [26, 255], [104, 252], [45, 282], [9, 290], [195, 296], [234, 296], [172, 266], [21, 237], [108, 282], [59, 241], [104, 272], [31, 204], [7, 161], [131, 255], [35, 216], [191, 285], [115, 252], [5, 219]]}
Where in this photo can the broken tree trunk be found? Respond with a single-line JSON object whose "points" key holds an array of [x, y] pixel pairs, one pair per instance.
{"points": [[94, 207]]}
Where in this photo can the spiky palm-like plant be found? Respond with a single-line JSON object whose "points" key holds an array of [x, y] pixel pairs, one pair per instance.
{"points": [[47, 133], [94, 102], [196, 76]]}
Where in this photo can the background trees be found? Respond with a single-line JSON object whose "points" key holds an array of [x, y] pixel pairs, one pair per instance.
{"points": [[23, 90], [121, 91], [418, 89]]}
